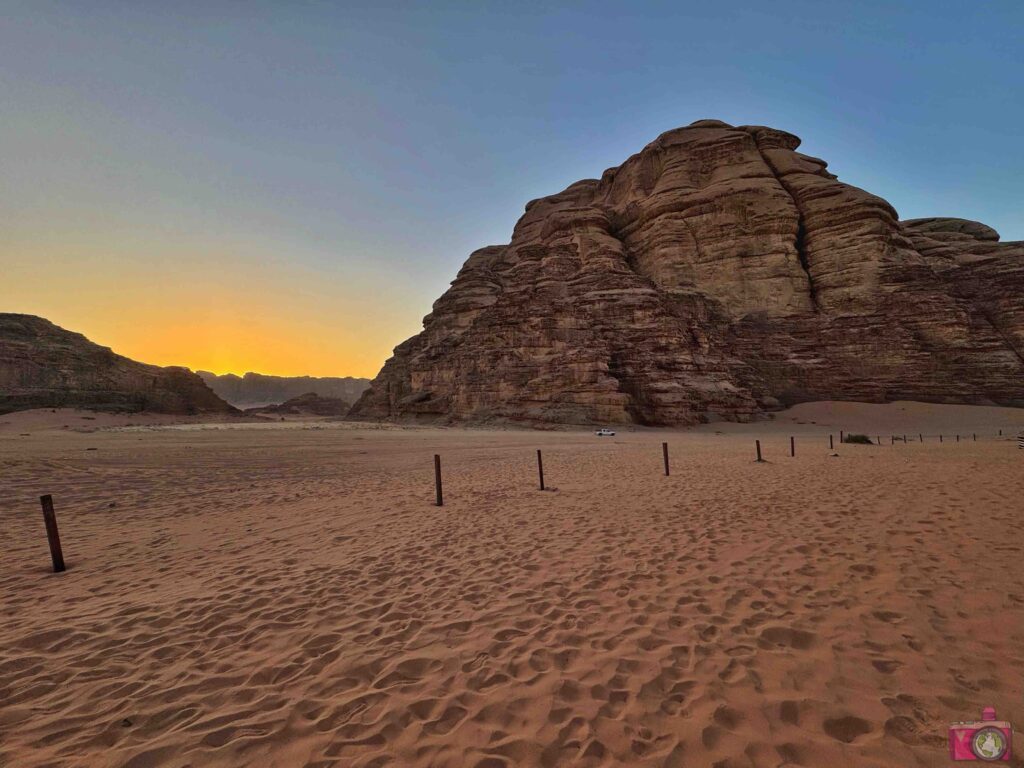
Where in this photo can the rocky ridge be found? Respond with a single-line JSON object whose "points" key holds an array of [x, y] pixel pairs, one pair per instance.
{"points": [[716, 274], [256, 390], [45, 366]]}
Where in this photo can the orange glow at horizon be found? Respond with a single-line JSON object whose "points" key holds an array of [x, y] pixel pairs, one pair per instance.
{"points": [[222, 347], [273, 319]]}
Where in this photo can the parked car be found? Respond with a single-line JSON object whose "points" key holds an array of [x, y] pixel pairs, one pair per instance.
{"points": [[605, 433]]}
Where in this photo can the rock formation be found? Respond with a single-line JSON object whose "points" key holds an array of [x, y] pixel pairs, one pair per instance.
{"points": [[715, 274], [309, 404], [255, 390], [45, 366]]}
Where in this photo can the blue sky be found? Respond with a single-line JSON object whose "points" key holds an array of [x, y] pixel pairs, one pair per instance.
{"points": [[317, 172]]}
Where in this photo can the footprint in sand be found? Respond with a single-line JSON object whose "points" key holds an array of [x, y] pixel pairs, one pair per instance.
{"points": [[776, 637], [902, 729], [789, 712], [890, 617], [846, 728], [727, 717]]}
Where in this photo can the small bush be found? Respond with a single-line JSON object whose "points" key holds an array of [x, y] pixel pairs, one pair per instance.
{"points": [[859, 439]]}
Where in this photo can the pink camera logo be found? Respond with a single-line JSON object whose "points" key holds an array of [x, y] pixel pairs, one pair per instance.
{"points": [[988, 739]]}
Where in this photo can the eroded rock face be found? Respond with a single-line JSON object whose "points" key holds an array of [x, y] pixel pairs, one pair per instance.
{"points": [[45, 366], [714, 274]]}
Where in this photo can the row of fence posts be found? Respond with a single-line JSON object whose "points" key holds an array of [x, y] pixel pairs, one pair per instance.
{"points": [[920, 438], [664, 453], [57, 553], [878, 440]]}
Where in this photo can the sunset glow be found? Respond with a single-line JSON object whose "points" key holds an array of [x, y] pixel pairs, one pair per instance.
{"points": [[236, 319]]}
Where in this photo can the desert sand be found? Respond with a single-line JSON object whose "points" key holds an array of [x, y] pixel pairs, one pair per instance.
{"points": [[288, 594]]}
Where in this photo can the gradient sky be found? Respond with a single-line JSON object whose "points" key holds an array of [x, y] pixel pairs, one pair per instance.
{"points": [[287, 187]]}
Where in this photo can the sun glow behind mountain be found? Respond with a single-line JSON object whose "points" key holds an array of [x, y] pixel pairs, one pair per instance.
{"points": [[208, 312]]}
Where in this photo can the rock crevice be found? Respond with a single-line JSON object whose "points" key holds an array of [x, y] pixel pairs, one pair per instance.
{"points": [[800, 239]]}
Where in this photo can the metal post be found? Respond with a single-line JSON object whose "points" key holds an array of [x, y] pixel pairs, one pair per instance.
{"points": [[758, 442], [540, 469], [792, 446], [664, 453]]}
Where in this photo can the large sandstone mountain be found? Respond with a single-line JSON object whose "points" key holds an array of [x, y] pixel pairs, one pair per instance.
{"points": [[45, 366], [717, 273], [256, 390]]}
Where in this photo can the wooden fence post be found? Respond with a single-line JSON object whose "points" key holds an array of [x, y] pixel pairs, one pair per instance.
{"points": [[664, 453], [792, 446], [540, 469], [758, 443], [52, 534], [437, 480]]}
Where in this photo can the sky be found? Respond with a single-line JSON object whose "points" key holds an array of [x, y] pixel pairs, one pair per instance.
{"points": [[287, 187]]}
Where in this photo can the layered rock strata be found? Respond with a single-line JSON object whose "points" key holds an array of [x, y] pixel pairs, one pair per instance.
{"points": [[715, 274]]}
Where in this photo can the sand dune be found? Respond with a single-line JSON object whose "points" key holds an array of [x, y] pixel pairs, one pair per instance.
{"points": [[291, 596]]}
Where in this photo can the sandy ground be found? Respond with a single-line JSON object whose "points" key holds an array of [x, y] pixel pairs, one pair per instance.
{"points": [[290, 596]]}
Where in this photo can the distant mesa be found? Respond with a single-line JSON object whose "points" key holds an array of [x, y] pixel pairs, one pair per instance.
{"points": [[309, 404], [45, 366], [256, 390], [716, 274]]}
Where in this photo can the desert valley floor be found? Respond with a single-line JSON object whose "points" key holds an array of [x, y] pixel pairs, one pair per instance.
{"points": [[288, 594]]}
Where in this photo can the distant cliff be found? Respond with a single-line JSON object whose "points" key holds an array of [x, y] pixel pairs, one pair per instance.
{"points": [[309, 404], [255, 390], [45, 366]]}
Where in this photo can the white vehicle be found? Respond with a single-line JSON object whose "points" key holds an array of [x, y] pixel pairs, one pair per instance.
{"points": [[605, 433]]}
